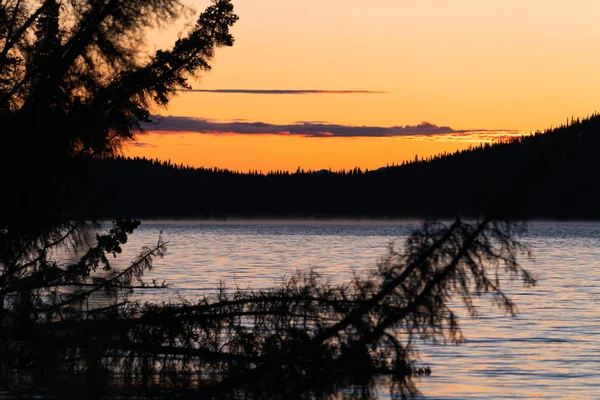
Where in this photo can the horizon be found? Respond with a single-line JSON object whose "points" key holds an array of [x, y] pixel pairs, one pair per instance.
{"points": [[170, 162]]}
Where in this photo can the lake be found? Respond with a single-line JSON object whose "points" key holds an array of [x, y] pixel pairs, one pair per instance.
{"points": [[551, 350]]}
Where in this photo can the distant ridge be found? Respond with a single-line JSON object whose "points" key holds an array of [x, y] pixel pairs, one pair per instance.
{"points": [[553, 175]]}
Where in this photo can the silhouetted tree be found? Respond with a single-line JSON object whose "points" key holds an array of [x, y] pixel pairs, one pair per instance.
{"points": [[75, 84]]}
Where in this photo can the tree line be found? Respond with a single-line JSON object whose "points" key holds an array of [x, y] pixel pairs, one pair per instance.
{"points": [[461, 183]]}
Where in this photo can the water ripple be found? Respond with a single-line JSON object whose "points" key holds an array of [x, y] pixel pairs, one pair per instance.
{"points": [[550, 351]]}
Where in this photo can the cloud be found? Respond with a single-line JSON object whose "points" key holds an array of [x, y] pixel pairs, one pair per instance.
{"points": [[171, 124], [475, 136], [282, 91], [311, 122], [142, 144]]}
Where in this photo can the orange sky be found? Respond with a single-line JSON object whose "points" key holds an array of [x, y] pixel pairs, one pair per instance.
{"points": [[274, 152], [465, 64]]}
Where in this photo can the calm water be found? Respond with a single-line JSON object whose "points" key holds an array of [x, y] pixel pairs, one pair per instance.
{"points": [[551, 350]]}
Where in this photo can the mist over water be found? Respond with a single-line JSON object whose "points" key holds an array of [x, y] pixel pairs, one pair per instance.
{"points": [[551, 350]]}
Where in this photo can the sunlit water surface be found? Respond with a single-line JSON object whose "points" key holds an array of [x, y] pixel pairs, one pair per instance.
{"points": [[551, 350]]}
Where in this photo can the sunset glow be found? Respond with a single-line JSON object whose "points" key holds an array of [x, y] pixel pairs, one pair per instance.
{"points": [[288, 153], [498, 68]]}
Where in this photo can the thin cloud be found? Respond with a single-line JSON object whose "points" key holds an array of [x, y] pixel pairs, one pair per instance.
{"points": [[309, 129], [283, 91], [143, 145], [477, 136], [311, 122], [170, 124]]}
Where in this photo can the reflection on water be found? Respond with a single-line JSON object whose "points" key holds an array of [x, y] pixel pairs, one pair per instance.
{"points": [[551, 350]]}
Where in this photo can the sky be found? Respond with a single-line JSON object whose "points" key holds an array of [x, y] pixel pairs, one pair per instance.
{"points": [[338, 84]]}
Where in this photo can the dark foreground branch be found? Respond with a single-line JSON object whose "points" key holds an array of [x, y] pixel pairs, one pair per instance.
{"points": [[304, 338]]}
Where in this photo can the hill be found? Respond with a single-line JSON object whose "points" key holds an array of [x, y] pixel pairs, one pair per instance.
{"points": [[549, 174]]}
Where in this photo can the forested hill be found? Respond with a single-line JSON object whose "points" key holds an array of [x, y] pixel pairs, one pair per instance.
{"points": [[546, 175]]}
